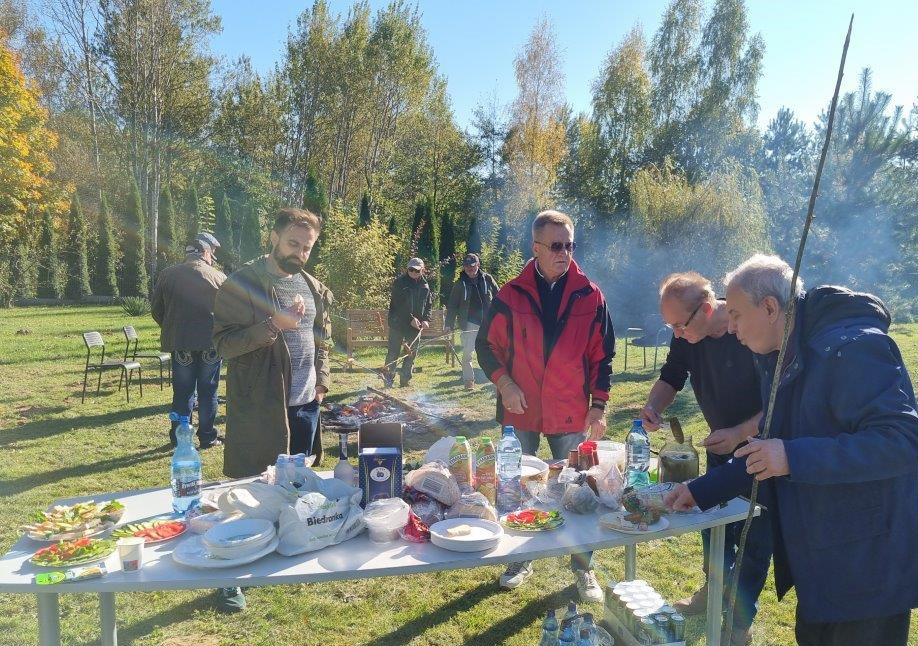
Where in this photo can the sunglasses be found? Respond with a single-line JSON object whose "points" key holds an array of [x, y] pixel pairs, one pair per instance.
{"points": [[558, 247], [412, 270]]}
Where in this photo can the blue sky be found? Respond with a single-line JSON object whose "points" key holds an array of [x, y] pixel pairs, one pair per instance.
{"points": [[475, 42]]}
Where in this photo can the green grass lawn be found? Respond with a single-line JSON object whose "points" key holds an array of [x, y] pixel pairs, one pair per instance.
{"points": [[55, 447]]}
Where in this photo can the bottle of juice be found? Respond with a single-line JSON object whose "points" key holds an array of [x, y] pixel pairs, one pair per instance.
{"points": [[460, 462], [486, 469]]}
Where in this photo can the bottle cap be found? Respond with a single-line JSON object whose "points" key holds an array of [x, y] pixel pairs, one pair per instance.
{"points": [[460, 438], [485, 440]]}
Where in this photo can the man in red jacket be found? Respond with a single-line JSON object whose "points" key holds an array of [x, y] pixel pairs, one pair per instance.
{"points": [[547, 343]]}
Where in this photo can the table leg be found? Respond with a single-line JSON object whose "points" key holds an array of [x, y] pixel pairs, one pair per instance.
{"points": [[107, 619], [49, 620], [630, 562], [715, 584]]}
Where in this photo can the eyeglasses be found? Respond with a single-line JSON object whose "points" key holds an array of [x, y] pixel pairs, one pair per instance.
{"points": [[558, 247], [682, 328]]}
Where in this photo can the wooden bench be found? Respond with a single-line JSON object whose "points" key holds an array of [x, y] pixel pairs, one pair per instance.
{"points": [[370, 328]]}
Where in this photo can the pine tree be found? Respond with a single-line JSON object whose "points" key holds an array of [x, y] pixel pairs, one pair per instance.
{"points": [[77, 262], [193, 210], [393, 227], [134, 275], [105, 269], [447, 257], [24, 275], [49, 272], [315, 198], [251, 245], [365, 218], [427, 248], [473, 241], [167, 229], [416, 228], [223, 227]]}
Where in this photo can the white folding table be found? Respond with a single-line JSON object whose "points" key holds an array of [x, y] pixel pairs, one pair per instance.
{"points": [[357, 558]]}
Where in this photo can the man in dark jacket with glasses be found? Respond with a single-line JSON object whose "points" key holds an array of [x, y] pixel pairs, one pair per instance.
{"points": [[409, 316]]}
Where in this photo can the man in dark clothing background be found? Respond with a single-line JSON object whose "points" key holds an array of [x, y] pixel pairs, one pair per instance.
{"points": [[469, 300], [182, 304], [726, 386], [409, 315], [840, 468]]}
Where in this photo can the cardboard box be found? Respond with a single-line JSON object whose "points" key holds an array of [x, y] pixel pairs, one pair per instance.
{"points": [[379, 461]]}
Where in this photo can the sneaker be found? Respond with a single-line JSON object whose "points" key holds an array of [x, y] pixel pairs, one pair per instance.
{"points": [[696, 604], [588, 587], [230, 600], [515, 575], [217, 441]]}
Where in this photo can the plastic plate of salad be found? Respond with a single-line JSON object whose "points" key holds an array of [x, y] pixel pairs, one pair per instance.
{"points": [[76, 552], [154, 531], [69, 522], [532, 520]]}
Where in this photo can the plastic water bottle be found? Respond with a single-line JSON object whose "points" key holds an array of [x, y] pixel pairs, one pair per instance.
{"points": [[589, 626], [550, 629], [186, 467], [572, 617], [585, 639], [638, 447], [509, 468], [566, 638]]}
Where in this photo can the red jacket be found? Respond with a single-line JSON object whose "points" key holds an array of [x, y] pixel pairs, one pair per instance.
{"points": [[559, 388]]}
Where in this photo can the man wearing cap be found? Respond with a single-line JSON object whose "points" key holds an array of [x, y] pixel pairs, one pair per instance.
{"points": [[182, 304], [469, 300], [409, 315]]}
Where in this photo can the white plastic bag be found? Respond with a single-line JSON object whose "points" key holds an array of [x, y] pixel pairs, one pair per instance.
{"points": [[609, 486], [316, 521]]}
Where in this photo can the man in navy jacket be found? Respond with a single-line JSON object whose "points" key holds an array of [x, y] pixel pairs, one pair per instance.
{"points": [[841, 467]]}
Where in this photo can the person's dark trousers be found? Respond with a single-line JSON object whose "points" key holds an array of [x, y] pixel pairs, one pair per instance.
{"points": [[304, 423], [756, 558], [196, 371], [395, 350], [879, 631]]}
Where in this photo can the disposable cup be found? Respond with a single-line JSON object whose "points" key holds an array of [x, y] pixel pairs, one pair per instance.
{"points": [[130, 550]]}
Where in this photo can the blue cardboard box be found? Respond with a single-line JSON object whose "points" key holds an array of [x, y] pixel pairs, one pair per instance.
{"points": [[380, 473]]}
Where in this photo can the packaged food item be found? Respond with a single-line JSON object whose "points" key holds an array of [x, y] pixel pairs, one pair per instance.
{"points": [[472, 505], [486, 469], [71, 575], [415, 530], [460, 462], [580, 498], [646, 503], [428, 509], [435, 480]]}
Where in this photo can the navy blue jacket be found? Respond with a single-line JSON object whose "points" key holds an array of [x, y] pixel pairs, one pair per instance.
{"points": [[845, 521]]}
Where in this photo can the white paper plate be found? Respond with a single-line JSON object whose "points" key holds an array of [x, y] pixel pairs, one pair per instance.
{"points": [[616, 521], [485, 535], [193, 553]]}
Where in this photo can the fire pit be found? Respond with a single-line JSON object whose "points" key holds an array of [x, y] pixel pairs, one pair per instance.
{"points": [[377, 406]]}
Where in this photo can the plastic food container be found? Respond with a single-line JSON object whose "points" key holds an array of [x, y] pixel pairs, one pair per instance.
{"points": [[384, 518], [613, 452], [532, 468], [238, 538]]}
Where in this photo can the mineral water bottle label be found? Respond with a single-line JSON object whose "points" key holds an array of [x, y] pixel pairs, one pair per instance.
{"points": [[185, 488]]}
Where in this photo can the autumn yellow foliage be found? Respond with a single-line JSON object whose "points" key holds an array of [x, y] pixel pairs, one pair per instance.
{"points": [[25, 144]]}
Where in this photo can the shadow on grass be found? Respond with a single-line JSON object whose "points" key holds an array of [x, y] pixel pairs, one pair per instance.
{"points": [[511, 626], [45, 428], [25, 483], [128, 633]]}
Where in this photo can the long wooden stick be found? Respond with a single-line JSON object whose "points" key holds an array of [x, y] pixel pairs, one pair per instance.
{"points": [[789, 313]]}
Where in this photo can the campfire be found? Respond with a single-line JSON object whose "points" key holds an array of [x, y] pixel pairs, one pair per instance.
{"points": [[377, 406]]}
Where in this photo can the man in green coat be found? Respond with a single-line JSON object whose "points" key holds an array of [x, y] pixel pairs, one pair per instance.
{"points": [[272, 323]]}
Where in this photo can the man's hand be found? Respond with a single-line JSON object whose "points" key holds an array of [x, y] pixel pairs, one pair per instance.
{"points": [[289, 317], [680, 498], [415, 323], [650, 418], [320, 393], [595, 424], [724, 441], [764, 458], [513, 398]]}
